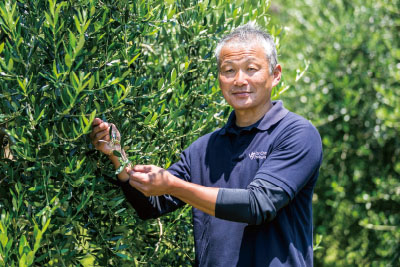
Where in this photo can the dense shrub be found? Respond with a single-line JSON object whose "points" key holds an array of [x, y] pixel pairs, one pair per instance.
{"points": [[351, 92], [148, 67]]}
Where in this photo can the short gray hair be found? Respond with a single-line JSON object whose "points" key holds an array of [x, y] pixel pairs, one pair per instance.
{"points": [[250, 33]]}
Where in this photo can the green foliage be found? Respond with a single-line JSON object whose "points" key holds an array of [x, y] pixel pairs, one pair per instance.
{"points": [[351, 92], [148, 67]]}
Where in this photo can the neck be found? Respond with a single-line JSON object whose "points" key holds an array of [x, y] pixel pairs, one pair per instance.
{"points": [[245, 118]]}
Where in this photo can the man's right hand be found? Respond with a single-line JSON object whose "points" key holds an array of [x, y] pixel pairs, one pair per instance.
{"points": [[100, 136], [100, 139]]}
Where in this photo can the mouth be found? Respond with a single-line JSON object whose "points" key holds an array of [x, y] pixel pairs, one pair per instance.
{"points": [[241, 94]]}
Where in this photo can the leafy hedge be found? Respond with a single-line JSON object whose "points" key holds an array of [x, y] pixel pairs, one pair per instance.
{"points": [[148, 67]]}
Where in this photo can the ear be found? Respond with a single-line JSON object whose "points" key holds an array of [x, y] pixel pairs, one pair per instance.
{"points": [[277, 74]]}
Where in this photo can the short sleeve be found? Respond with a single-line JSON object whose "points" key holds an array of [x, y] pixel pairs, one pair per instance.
{"points": [[295, 158]]}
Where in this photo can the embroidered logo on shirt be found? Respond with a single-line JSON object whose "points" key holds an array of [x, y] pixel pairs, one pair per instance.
{"points": [[258, 155]]}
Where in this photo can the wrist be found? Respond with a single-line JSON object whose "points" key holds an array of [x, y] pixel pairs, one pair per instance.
{"points": [[113, 158], [174, 185], [111, 155]]}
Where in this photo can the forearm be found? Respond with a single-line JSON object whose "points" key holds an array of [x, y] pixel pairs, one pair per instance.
{"points": [[200, 197], [123, 176]]}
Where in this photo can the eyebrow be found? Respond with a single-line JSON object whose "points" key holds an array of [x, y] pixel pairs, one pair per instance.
{"points": [[233, 61]]}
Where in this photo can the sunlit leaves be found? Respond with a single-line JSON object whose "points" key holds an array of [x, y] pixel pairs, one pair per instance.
{"points": [[146, 66]]}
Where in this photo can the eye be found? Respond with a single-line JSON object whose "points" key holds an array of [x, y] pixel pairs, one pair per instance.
{"points": [[228, 71], [251, 69]]}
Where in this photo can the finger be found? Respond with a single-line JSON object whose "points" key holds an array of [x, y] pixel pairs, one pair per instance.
{"points": [[128, 169], [142, 168], [103, 135], [100, 127], [96, 122], [139, 177], [104, 125]]}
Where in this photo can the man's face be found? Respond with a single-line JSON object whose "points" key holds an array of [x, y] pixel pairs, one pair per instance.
{"points": [[244, 77]]}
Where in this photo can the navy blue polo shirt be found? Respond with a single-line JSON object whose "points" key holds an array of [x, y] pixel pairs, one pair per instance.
{"points": [[283, 149]]}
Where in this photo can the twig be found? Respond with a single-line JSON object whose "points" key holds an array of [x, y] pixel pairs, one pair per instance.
{"points": [[160, 235]]}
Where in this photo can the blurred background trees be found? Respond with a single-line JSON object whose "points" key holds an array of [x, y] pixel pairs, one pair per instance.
{"points": [[351, 92], [148, 66]]}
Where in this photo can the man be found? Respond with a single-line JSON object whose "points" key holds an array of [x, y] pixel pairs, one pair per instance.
{"points": [[251, 182]]}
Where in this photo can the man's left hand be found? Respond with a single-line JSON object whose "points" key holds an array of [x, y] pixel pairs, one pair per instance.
{"points": [[155, 181], [150, 180]]}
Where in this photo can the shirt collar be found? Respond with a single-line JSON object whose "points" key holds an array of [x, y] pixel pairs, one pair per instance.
{"points": [[273, 116]]}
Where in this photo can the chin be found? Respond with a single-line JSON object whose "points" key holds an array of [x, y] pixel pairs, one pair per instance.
{"points": [[245, 103], [241, 107]]}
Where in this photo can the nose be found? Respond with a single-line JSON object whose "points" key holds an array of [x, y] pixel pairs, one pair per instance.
{"points": [[240, 78]]}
